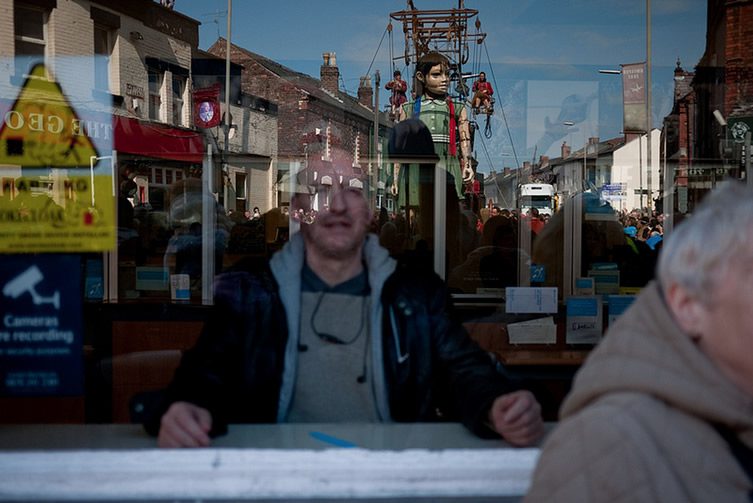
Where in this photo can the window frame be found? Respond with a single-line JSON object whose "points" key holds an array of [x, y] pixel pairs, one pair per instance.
{"points": [[106, 57], [21, 38], [178, 99], [156, 112]]}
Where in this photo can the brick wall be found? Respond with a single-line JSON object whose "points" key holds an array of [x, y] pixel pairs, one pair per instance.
{"points": [[738, 55], [6, 30]]}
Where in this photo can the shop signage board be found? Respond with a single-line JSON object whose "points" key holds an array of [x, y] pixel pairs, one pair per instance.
{"points": [[737, 129], [40, 325], [56, 183]]}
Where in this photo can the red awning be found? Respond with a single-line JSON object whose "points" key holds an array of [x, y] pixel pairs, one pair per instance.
{"points": [[156, 140]]}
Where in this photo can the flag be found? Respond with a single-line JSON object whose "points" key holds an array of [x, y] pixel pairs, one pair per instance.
{"points": [[634, 97], [206, 104]]}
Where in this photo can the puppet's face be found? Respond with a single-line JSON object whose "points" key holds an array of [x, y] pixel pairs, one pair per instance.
{"points": [[436, 81]]}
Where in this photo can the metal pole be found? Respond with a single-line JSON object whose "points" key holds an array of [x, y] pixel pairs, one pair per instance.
{"points": [[649, 122], [585, 161], [208, 233], [748, 177], [640, 169], [110, 262], [226, 122], [669, 194], [374, 175]]}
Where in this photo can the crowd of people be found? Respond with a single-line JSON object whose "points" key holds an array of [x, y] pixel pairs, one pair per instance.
{"points": [[644, 226]]}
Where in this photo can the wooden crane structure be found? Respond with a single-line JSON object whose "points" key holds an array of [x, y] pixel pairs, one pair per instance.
{"points": [[444, 31]]}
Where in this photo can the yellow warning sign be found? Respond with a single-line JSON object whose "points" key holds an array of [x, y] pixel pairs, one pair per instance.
{"points": [[42, 128], [41, 214], [56, 192]]}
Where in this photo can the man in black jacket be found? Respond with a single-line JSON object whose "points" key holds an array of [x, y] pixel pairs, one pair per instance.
{"points": [[333, 329]]}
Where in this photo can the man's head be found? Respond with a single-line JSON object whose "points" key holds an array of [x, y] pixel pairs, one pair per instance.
{"points": [[495, 211], [706, 273], [396, 74], [411, 142], [338, 228], [432, 75]]}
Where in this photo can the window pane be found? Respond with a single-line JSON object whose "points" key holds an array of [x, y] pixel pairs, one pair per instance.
{"points": [[101, 41], [240, 185], [29, 48], [29, 23], [155, 100], [101, 58], [179, 85], [155, 82]]}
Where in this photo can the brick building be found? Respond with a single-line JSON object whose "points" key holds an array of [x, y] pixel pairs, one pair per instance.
{"points": [[317, 123], [678, 132], [713, 106]]}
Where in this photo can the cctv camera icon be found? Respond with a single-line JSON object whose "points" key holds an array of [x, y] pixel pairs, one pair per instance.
{"points": [[25, 282]]}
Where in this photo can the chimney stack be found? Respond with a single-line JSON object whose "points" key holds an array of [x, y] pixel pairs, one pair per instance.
{"points": [[365, 92], [565, 150], [329, 73]]}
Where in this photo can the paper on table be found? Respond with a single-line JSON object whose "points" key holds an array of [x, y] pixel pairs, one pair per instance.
{"points": [[539, 331], [531, 299]]}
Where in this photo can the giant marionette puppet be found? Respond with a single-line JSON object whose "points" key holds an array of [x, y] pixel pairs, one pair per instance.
{"points": [[447, 122]]}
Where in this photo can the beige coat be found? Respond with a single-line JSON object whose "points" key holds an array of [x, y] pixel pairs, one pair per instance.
{"points": [[636, 426]]}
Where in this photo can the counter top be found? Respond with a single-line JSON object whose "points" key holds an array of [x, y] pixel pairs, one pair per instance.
{"points": [[289, 462]]}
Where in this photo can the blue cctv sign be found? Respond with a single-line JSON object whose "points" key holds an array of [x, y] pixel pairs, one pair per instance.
{"points": [[41, 336]]}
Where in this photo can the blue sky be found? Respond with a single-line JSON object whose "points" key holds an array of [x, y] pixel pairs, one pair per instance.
{"points": [[537, 54]]}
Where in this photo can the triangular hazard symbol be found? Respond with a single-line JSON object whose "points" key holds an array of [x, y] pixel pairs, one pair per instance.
{"points": [[42, 129]]}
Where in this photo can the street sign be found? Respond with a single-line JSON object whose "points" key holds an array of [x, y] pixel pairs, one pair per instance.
{"points": [[42, 129]]}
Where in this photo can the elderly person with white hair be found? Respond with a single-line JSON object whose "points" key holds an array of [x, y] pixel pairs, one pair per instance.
{"points": [[663, 408]]}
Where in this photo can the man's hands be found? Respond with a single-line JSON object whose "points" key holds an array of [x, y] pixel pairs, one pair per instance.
{"points": [[517, 417], [185, 425]]}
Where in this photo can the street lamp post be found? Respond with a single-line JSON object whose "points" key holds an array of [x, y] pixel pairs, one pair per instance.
{"points": [[648, 104], [375, 163], [226, 121]]}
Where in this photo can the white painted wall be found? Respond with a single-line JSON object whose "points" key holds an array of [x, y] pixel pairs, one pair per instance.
{"points": [[630, 167]]}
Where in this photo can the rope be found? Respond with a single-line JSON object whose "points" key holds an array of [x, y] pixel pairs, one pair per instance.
{"points": [[377, 51], [392, 52], [499, 191], [502, 109]]}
